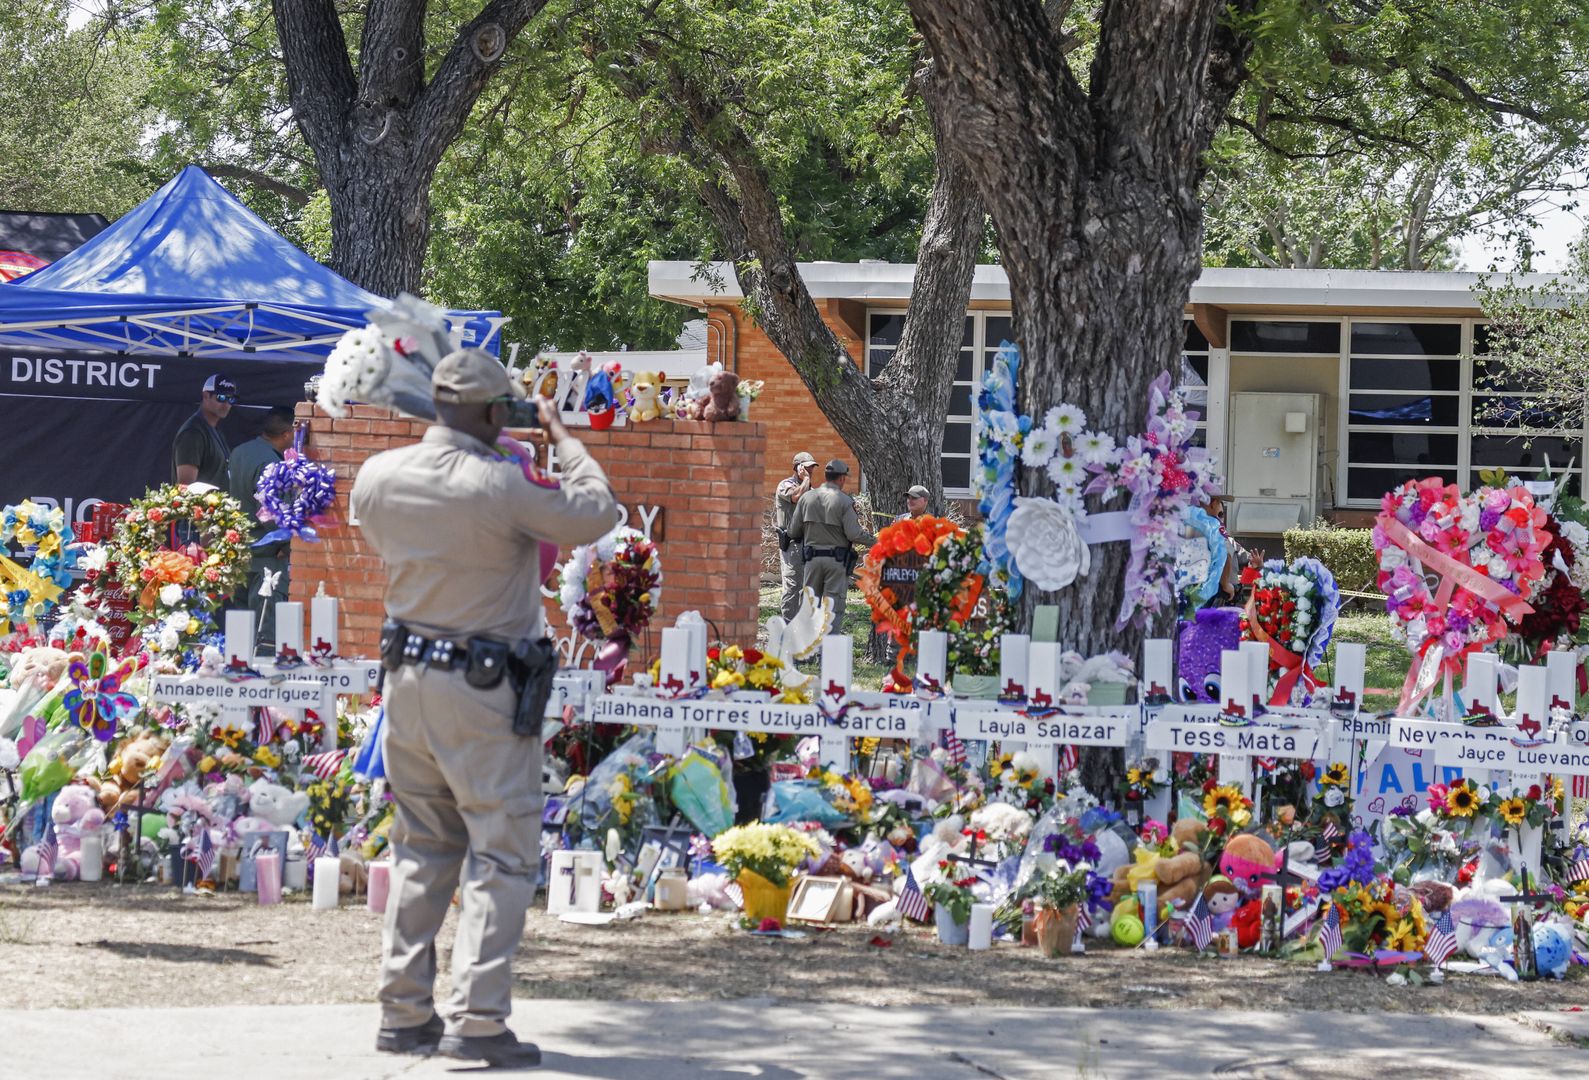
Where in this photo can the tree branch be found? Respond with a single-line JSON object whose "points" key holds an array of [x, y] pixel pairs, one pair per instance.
{"points": [[444, 106], [320, 83], [291, 192], [392, 53]]}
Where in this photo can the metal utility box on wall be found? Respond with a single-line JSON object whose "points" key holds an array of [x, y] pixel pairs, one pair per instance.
{"points": [[1273, 468]]}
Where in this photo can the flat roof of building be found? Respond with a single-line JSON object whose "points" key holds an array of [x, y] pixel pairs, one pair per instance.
{"points": [[1252, 290]]}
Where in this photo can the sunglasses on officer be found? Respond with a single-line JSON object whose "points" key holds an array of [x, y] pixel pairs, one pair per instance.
{"points": [[226, 399]]}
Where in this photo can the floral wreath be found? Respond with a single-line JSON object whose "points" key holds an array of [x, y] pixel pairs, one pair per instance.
{"points": [[913, 536], [180, 549], [294, 493], [32, 591], [610, 590]]}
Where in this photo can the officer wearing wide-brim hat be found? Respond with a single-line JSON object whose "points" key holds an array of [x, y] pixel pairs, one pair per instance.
{"points": [[827, 528], [459, 527]]}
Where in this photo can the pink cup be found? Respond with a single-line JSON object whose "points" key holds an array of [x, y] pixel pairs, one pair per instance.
{"points": [[267, 876]]}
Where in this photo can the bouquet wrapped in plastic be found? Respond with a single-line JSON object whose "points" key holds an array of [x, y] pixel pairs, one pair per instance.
{"points": [[390, 361]]}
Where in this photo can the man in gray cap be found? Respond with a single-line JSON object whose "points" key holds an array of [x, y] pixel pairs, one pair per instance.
{"points": [[915, 503], [826, 527], [791, 489], [458, 527]]}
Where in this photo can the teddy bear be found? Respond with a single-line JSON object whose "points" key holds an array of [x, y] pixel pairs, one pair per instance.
{"points": [[645, 397], [723, 402], [42, 666], [275, 804], [74, 812], [355, 876], [1179, 876], [1248, 861], [138, 757], [1552, 949]]}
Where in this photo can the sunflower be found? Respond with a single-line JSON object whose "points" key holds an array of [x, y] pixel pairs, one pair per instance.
{"points": [[1335, 776], [1404, 936], [1462, 800], [1514, 810], [1222, 800], [1133, 776]]}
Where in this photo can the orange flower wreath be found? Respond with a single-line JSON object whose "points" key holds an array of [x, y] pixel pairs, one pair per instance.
{"points": [[919, 536]]}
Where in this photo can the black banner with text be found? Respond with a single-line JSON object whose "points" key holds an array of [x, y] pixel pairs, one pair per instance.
{"points": [[87, 427]]}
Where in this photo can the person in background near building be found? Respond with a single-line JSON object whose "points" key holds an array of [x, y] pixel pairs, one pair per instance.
{"points": [[826, 527], [245, 467], [199, 452], [460, 529], [790, 491], [915, 503]]}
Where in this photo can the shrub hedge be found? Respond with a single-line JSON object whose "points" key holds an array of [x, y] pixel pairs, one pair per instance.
{"points": [[1349, 553]]}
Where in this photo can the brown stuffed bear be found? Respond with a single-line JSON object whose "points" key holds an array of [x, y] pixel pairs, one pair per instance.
{"points": [[1182, 876], [724, 401], [138, 757]]}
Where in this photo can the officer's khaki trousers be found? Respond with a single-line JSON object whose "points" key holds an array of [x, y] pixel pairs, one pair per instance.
{"points": [[826, 577], [468, 795], [793, 578]]}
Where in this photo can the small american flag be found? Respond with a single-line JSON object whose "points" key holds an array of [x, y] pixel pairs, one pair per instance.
{"points": [[956, 747], [912, 904], [1067, 759], [47, 846], [264, 726], [1578, 871], [317, 848], [1200, 926], [325, 766], [1580, 787], [206, 856], [1330, 936], [1083, 921], [1331, 831], [735, 893], [1442, 940]]}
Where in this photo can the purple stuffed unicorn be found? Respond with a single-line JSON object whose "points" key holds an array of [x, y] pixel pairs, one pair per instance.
{"points": [[1202, 639]]}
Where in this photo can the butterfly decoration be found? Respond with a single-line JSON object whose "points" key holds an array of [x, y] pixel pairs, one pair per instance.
{"points": [[96, 701]]}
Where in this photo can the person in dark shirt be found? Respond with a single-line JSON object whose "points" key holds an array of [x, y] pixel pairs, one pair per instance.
{"points": [[199, 454], [247, 463]]}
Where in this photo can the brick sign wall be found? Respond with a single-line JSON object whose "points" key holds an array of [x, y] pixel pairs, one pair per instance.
{"points": [[703, 477]]}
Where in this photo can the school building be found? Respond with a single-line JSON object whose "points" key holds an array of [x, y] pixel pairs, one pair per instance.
{"points": [[1320, 389]]}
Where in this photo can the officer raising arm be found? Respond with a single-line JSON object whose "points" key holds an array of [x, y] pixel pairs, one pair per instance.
{"points": [[458, 527], [827, 528]]}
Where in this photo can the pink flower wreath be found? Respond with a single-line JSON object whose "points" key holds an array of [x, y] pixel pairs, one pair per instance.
{"points": [[1455, 568]]}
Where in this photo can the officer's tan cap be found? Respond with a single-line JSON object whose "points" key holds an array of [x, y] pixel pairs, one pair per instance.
{"points": [[472, 376], [803, 458]]}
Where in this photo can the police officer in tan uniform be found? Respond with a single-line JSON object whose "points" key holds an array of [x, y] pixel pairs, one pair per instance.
{"points": [[826, 527], [791, 489], [458, 527]]}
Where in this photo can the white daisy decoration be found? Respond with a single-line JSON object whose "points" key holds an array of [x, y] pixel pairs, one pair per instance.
{"points": [[1067, 419], [1066, 470], [1039, 448], [1095, 447]]}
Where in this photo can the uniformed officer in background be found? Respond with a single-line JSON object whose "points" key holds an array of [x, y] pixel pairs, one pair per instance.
{"points": [[458, 527], [827, 528], [791, 489]]}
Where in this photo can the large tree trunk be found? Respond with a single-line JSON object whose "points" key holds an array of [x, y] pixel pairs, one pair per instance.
{"points": [[1094, 195], [379, 133]]}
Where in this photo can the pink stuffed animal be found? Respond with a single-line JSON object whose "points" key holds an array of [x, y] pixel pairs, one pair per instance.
{"points": [[75, 812]]}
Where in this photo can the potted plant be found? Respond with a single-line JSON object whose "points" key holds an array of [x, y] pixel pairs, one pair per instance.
{"points": [[951, 903], [762, 859], [1059, 894]]}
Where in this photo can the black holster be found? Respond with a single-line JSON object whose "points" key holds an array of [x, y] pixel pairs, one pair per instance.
{"points": [[532, 668]]}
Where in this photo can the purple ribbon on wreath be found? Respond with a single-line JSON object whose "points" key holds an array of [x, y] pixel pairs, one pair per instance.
{"points": [[296, 494]]}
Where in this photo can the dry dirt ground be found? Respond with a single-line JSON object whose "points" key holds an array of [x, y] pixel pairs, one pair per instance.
{"points": [[76, 945]]}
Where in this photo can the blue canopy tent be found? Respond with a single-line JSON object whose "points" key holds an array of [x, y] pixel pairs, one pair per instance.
{"points": [[103, 352]]}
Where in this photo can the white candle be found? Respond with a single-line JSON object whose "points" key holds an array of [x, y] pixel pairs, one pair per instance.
{"points": [[295, 873], [981, 927], [1013, 656], [838, 663], [1257, 654], [1351, 660], [1235, 672], [323, 616], [1561, 684], [1532, 714], [327, 879], [239, 627], [1043, 671], [289, 627], [1158, 666], [1483, 674], [91, 861], [673, 674], [932, 659]]}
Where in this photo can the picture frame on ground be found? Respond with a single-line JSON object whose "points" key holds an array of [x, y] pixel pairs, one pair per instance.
{"points": [[819, 900]]}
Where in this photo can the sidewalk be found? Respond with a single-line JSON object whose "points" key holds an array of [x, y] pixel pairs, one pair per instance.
{"points": [[789, 1041]]}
